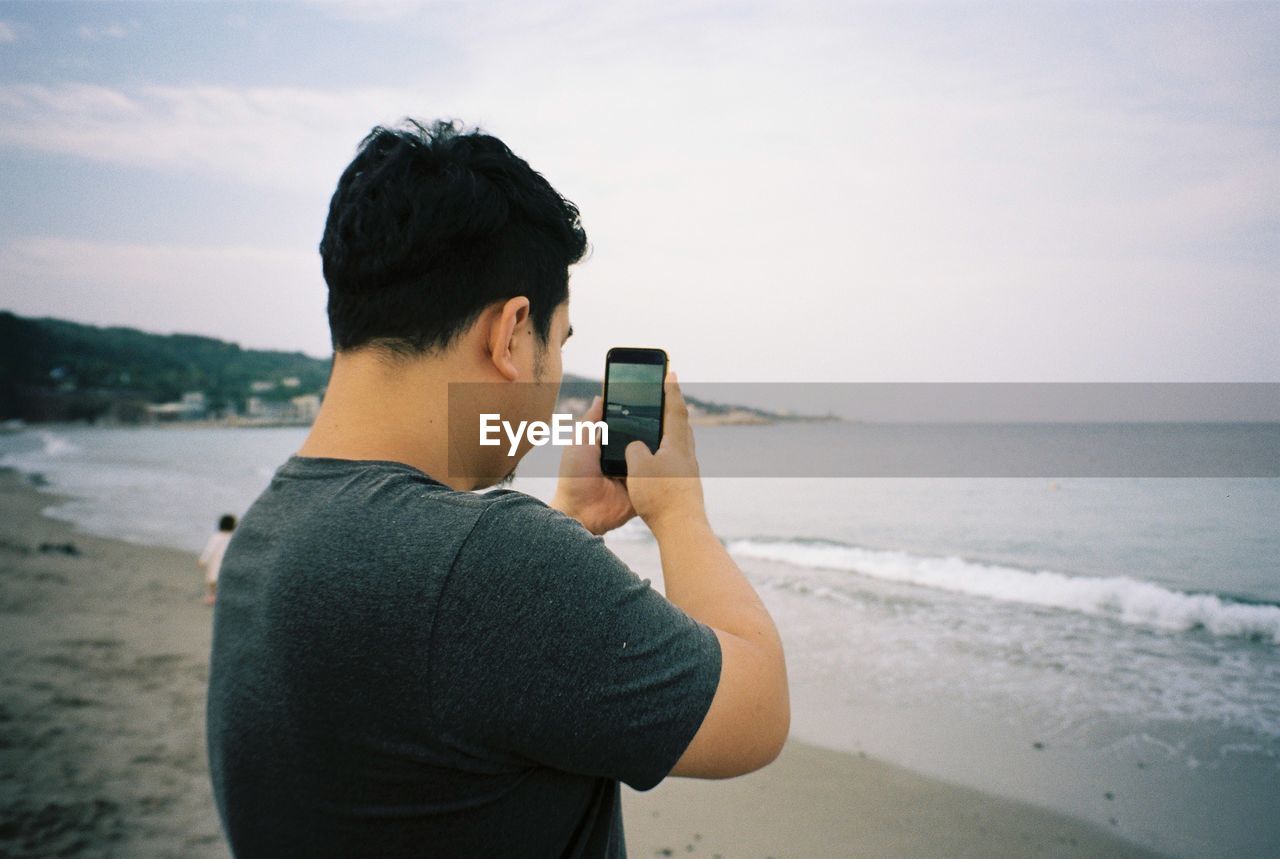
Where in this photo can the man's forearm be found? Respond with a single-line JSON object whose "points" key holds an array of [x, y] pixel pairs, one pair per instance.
{"points": [[703, 580]]}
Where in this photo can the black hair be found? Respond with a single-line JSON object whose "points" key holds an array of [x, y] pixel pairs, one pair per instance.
{"points": [[227, 523], [429, 225]]}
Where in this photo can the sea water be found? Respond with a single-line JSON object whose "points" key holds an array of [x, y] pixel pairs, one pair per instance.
{"points": [[1107, 647]]}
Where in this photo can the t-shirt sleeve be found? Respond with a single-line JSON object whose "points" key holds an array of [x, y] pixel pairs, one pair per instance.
{"points": [[548, 648]]}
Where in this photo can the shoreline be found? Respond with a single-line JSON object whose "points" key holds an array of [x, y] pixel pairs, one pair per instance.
{"points": [[102, 734]]}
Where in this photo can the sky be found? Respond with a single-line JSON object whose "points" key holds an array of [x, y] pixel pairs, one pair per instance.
{"points": [[774, 192]]}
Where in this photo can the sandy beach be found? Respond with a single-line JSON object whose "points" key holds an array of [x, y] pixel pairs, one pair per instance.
{"points": [[102, 746], [102, 698]]}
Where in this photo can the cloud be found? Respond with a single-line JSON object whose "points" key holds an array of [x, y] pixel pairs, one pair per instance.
{"points": [[281, 137], [98, 33], [375, 11], [7, 33], [954, 188], [264, 297]]}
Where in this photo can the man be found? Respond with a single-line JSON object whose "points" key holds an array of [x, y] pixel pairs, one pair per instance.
{"points": [[402, 666]]}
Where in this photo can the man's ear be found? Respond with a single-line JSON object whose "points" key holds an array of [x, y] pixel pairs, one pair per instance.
{"points": [[506, 326]]}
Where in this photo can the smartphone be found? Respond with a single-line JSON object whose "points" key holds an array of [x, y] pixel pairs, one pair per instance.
{"points": [[634, 399]]}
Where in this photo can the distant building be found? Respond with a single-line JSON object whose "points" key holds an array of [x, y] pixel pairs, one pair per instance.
{"points": [[290, 381], [256, 407], [192, 406], [195, 403], [167, 411], [262, 387], [274, 411], [306, 407]]}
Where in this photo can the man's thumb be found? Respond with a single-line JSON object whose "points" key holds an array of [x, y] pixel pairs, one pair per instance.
{"points": [[637, 454]]}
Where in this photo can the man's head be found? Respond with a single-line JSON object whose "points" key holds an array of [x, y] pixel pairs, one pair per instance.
{"points": [[432, 225], [447, 261]]}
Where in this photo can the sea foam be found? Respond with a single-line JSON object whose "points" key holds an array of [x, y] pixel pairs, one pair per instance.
{"points": [[1128, 600], [56, 445]]}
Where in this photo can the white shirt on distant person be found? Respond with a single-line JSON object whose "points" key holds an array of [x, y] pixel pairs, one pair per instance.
{"points": [[211, 558]]}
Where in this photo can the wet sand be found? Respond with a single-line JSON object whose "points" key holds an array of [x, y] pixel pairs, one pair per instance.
{"points": [[105, 660]]}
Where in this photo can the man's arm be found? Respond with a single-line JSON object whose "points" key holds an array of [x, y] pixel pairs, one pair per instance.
{"points": [[750, 714]]}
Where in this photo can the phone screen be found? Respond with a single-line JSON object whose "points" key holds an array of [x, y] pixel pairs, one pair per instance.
{"points": [[633, 403]]}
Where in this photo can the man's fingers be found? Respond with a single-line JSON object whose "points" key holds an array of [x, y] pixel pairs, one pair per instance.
{"points": [[675, 398], [637, 454], [676, 411]]}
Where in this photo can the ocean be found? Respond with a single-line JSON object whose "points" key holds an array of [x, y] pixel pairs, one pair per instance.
{"points": [[1106, 647]]}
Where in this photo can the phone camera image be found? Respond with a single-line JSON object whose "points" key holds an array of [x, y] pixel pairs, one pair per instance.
{"points": [[633, 404]]}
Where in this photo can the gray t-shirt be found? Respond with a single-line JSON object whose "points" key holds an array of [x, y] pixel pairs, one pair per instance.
{"points": [[402, 669]]}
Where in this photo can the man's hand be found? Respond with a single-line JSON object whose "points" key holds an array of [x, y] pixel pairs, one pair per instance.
{"points": [[600, 503], [665, 486]]}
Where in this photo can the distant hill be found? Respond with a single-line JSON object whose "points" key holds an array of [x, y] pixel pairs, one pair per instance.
{"points": [[55, 370], [51, 369]]}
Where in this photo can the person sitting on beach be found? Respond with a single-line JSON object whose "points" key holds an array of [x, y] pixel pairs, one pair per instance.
{"points": [[211, 558], [404, 666]]}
